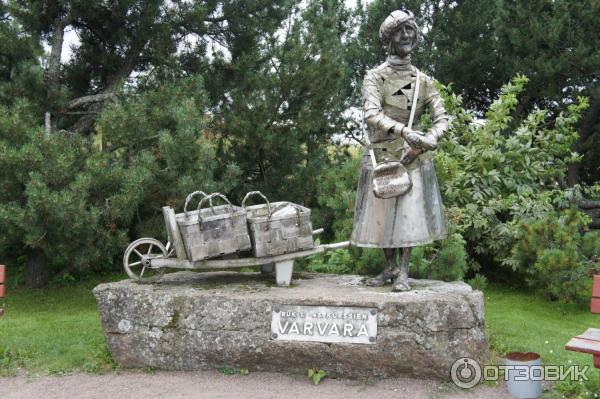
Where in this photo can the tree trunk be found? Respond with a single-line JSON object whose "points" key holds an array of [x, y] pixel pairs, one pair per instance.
{"points": [[585, 133], [592, 209], [573, 174], [54, 63], [85, 123], [36, 270], [311, 149]]}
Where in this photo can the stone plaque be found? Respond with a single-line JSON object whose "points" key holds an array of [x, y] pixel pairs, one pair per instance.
{"points": [[324, 324]]}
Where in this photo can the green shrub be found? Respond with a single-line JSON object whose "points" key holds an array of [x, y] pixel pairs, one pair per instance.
{"points": [[170, 123], [556, 255], [443, 260], [336, 194], [73, 205], [348, 261], [60, 203], [479, 282], [495, 174]]}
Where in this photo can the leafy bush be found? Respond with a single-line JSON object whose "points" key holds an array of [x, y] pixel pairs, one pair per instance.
{"points": [[556, 256], [443, 260], [494, 174], [497, 176]]}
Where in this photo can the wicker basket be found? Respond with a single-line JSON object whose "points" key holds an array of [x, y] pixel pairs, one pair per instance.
{"points": [[278, 227], [214, 231]]}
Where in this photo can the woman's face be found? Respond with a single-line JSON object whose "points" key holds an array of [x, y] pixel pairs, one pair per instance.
{"points": [[403, 40]]}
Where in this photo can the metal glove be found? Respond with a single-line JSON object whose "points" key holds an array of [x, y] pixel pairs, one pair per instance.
{"points": [[429, 142], [419, 140]]}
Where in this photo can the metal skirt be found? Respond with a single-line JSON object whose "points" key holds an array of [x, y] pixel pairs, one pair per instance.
{"points": [[415, 218]]}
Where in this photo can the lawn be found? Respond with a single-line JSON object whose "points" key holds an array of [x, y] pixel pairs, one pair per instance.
{"points": [[55, 331], [52, 331], [520, 321]]}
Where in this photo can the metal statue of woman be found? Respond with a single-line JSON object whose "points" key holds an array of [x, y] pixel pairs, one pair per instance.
{"points": [[416, 217]]}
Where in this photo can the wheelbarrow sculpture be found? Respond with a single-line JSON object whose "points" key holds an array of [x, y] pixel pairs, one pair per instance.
{"points": [[269, 235]]}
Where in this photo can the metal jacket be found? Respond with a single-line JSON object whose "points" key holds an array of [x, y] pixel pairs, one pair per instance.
{"points": [[417, 217]]}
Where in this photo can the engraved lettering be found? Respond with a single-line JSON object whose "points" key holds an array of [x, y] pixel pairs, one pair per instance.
{"points": [[362, 331], [324, 324], [322, 331], [284, 327], [294, 329], [334, 330], [348, 330], [308, 327]]}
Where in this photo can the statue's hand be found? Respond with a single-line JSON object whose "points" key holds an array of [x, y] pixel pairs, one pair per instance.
{"points": [[417, 139], [410, 155], [429, 142], [414, 138]]}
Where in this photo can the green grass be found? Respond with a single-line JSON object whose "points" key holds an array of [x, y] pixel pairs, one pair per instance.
{"points": [[55, 331], [520, 321], [52, 331]]}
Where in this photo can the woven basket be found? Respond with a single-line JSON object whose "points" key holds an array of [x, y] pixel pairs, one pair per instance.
{"points": [[277, 228], [214, 231]]}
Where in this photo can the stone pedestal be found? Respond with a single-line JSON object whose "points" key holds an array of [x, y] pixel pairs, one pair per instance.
{"points": [[191, 321]]}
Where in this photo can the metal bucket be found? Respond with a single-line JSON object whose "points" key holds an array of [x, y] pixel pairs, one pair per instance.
{"points": [[524, 374]]}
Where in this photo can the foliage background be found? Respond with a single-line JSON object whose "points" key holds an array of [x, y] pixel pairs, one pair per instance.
{"points": [[159, 99]]}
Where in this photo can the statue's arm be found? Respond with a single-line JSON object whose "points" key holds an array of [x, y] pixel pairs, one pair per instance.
{"points": [[379, 125], [434, 103]]}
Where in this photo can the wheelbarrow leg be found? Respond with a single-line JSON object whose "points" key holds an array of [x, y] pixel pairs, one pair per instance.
{"points": [[283, 272], [267, 268]]}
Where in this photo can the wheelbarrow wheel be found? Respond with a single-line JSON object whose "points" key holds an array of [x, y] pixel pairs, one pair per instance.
{"points": [[137, 256]]}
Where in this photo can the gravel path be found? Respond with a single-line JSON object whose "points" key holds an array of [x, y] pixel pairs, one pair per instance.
{"points": [[212, 384]]}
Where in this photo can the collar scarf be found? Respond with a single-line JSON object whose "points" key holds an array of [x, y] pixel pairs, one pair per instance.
{"points": [[397, 62]]}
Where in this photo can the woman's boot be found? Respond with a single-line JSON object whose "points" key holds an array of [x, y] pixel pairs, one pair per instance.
{"points": [[401, 281], [389, 273]]}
